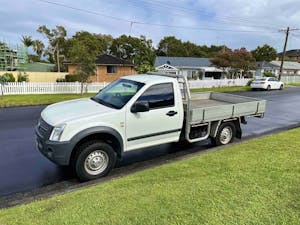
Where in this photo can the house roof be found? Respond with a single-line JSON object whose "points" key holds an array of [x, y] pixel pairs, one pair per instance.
{"points": [[180, 62], [109, 60], [288, 65], [112, 60], [291, 53]]}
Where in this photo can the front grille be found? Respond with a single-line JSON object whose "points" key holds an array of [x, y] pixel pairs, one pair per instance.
{"points": [[44, 128]]}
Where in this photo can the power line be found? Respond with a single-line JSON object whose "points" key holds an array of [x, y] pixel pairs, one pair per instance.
{"points": [[204, 12], [132, 22]]}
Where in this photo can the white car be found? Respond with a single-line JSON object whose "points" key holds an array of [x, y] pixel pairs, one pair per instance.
{"points": [[267, 83]]}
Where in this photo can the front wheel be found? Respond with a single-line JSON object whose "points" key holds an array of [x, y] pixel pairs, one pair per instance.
{"points": [[225, 134], [94, 159]]}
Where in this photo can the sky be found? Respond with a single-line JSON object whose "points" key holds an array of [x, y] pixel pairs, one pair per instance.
{"points": [[235, 23]]}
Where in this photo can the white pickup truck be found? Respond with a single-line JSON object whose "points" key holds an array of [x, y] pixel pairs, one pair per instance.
{"points": [[134, 112]]}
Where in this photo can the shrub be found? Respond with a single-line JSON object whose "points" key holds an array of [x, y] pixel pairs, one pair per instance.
{"points": [[195, 76], [200, 74], [60, 80], [268, 74], [23, 78], [249, 82], [9, 77], [72, 78]]}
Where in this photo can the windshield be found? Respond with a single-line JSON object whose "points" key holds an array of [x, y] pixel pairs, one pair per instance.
{"points": [[118, 93]]}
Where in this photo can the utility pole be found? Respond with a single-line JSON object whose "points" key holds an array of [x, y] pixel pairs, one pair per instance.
{"points": [[287, 31], [131, 25]]}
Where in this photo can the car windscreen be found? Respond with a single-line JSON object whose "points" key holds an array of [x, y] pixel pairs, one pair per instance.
{"points": [[118, 93]]}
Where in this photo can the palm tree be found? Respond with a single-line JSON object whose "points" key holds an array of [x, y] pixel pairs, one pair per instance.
{"points": [[38, 46], [27, 40]]}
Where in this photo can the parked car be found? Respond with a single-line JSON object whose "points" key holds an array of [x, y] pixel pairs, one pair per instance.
{"points": [[135, 112], [267, 83]]}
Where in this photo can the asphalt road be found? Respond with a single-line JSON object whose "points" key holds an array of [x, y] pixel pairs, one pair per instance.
{"points": [[23, 168]]}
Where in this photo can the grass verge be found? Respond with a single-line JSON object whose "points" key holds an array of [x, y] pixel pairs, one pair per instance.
{"points": [[255, 182], [45, 99], [223, 89], [293, 84]]}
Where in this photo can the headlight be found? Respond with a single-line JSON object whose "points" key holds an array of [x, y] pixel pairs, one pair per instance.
{"points": [[57, 132]]}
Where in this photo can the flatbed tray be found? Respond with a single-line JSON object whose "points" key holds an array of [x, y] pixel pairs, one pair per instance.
{"points": [[211, 106]]}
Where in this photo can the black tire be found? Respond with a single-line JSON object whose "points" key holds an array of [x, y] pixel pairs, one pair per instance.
{"points": [[269, 88], [87, 155], [219, 139], [253, 89], [281, 87]]}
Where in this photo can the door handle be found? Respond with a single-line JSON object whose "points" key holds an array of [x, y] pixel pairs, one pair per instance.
{"points": [[171, 113]]}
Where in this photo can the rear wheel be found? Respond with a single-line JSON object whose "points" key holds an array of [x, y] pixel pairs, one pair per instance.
{"points": [[94, 159], [225, 134], [281, 87]]}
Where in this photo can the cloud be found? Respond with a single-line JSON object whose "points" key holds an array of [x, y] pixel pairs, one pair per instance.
{"points": [[264, 18]]}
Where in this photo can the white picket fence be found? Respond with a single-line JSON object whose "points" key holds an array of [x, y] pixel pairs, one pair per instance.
{"points": [[290, 79], [218, 83], [13, 88]]}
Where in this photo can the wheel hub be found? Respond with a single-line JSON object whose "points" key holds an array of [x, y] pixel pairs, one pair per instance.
{"points": [[226, 135], [96, 162]]}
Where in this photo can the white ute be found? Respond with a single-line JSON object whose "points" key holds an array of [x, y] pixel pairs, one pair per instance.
{"points": [[134, 112]]}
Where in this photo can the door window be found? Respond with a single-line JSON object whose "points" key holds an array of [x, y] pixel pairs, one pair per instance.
{"points": [[159, 96]]}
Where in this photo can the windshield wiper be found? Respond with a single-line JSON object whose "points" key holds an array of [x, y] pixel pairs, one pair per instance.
{"points": [[104, 103]]}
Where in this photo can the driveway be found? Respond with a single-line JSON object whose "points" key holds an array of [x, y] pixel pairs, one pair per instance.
{"points": [[23, 168]]}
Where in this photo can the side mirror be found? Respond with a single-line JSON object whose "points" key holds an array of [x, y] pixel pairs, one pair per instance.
{"points": [[141, 106]]}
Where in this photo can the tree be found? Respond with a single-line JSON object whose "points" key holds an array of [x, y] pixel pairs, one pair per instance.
{"points": [[3, 82], [138, 50], [27, 40], [38, 46], [57, 41], [83, 55], [171, 46], [264, 53], [99, 41], [144, 68], [236, 60]]}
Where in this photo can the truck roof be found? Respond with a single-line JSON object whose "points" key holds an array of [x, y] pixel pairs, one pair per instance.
{"points": [[146, 78]]}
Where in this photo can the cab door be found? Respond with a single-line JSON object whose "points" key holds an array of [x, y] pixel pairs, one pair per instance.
{"points": [[161, 124]]}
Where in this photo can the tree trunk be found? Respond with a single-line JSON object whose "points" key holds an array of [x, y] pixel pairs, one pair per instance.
{"points": [[81, 88], [57, 59]]}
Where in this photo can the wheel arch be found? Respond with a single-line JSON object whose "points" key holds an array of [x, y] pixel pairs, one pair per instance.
{"points": [[106, 134], [235, 121]]}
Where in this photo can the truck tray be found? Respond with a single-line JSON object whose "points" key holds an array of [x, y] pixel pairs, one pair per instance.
{"points": [[211, 106]]}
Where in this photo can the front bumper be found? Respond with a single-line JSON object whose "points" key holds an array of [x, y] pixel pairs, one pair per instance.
{"points": [[58, 152]]}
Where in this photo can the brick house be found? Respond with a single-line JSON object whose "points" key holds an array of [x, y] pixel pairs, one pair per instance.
{"points": [[108, 68]]}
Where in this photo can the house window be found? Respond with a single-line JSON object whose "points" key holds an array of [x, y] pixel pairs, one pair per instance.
{"points": [[111, 69]]}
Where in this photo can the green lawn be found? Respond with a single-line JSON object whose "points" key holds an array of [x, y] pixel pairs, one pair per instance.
{"points": [[255, 182], [293, 84], [44, 99]]}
